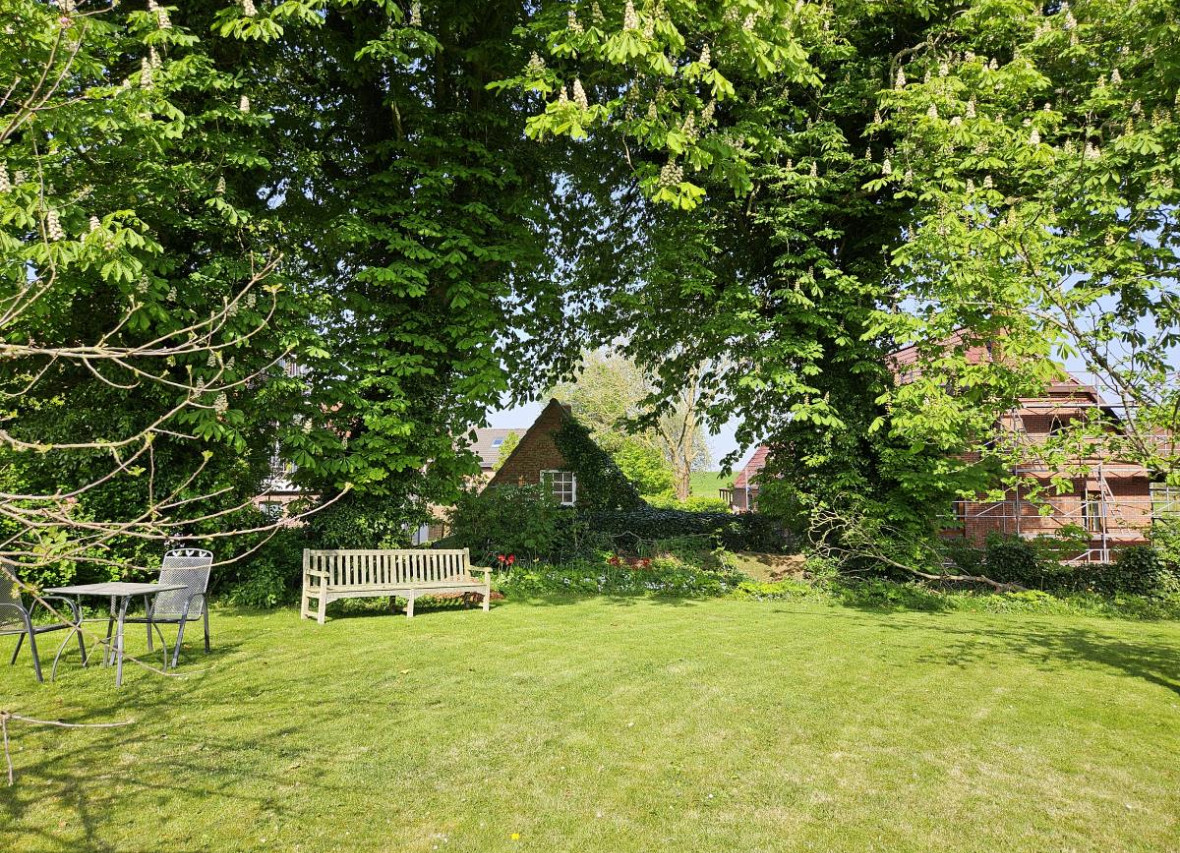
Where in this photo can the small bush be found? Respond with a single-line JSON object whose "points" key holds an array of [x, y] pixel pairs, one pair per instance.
{"points": [[269, 577], [525, 521]]}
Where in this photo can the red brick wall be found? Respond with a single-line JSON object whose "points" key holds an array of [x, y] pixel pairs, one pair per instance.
{"points": [[536, 452]]}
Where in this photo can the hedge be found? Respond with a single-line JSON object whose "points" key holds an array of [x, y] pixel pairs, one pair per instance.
{"points": [[744, 532]]}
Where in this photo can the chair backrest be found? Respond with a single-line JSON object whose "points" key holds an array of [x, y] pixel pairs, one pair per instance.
{"points": [[9, 598], [189, 567]]}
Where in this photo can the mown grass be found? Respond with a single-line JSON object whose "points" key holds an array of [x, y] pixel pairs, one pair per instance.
{"points": [[616, 724], [707, 483]]}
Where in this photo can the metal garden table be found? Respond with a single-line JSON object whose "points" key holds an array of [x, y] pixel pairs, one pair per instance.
{"points": [[120, 595]]}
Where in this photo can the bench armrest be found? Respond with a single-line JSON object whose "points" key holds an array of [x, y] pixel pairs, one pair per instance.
{"points": [[316, 573], [485, 569]]}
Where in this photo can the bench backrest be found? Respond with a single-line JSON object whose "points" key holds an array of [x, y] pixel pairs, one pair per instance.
{"points": [[388, 568]]}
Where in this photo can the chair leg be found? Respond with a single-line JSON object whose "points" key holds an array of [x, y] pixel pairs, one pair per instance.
{"points": [[207, 649], [179, 639], [149, 632], [36, 660], [82, 646], [19, 641]]}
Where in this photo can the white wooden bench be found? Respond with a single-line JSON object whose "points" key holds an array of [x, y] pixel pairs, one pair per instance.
{"points": [[333, 575]]}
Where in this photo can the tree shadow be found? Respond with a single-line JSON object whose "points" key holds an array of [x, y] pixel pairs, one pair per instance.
{"points": [[1049, 646]]}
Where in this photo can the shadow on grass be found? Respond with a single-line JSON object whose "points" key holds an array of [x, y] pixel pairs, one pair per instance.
{"points": [[1049, 647]]}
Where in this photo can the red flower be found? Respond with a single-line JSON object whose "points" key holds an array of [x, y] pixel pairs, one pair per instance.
{"points": [[615, 561], [511, 559]]}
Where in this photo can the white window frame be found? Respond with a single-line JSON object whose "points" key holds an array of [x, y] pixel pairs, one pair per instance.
{"points": [[547, 476]]}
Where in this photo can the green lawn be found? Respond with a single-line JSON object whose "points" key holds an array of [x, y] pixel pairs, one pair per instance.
{"points": [[706, 483], [617, 725]]}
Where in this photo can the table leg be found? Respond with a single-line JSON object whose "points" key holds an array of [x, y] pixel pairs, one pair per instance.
{"points": [[108, 652], [119, 640]]}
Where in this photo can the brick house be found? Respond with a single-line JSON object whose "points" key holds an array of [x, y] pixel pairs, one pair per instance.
{"points": [[1113, 500], [536, 458], [743, 496]]}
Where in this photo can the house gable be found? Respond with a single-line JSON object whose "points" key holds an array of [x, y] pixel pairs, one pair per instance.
{"points": [[536, 452]]}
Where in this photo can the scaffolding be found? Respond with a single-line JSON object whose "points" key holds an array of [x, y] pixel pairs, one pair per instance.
{"points": [[1111, 519]]}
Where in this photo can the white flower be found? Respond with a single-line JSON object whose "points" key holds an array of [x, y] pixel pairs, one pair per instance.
{"points": [[689, 128], [53, 227], [171, 297], [5, 183], [630, 19], [19, 177], [988, 183], [244, 104], [943, 69], [153, 57], [671, 174], [887, 167], [908, 177], [536, 64], [573, 22], [1115, 77], [94, 224], [221, 185], [869, 153], [563, 96], [580, 95], [971, 108], [814, 169], [707, 113], [748, 23], [876, 117], [221, 404], [248, 8], [651, 111], [932, 112], [145, 73], [1092, 151], [162, 19], [596, 13], [956, 121], [706, 56], [899, 83]]}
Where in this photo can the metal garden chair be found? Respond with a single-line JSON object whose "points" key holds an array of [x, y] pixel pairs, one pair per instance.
{"points": [[190, 567], [16, 619]]}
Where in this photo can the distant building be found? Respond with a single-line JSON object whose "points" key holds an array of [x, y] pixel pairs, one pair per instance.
{"points": [[1113, 500], [743, 496]]}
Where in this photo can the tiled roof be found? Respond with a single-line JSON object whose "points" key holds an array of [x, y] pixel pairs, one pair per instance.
{"points": [[487, 443], [756, 463]]}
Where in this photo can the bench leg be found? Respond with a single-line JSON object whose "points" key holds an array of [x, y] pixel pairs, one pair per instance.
{"points": [[322, 615], [305, 604], [487, 596], [410, 604]]}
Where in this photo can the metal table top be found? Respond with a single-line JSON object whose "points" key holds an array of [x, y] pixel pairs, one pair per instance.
{"points": [[115, 588]]}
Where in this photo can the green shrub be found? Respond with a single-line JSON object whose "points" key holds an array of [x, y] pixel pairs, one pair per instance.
{"points": [[664, 576], [1165, 537], [1010, 559], [744, 532], [525, 521], [269, 576]]}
